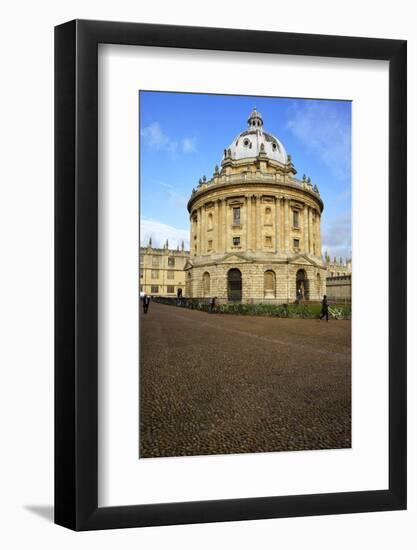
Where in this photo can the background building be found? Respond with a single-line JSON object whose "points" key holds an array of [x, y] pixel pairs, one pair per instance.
{"points": [[255, 228], [161, 270], [339, 279]]}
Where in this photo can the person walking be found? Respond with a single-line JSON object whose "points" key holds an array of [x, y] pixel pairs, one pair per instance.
{"points": [[213, 304], [146, 302], [324, 309]]}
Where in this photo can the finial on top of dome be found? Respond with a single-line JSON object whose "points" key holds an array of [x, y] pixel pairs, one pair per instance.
{"points": [[255, 118]]}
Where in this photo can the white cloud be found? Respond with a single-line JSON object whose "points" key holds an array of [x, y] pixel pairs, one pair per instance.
{"points": [[324, 131], [336, 236], [156, 138], [174, 199], [189, 145], [160, 232]]}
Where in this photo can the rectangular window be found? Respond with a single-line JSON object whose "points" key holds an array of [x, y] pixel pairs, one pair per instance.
{"points": [[295, 218], [155, 273], [236, 241], [170, 289], [210, 245], [236, 215], [154, 289], [296, 243], [268, 240], [171, 262], [156, 261], [170, 274]]}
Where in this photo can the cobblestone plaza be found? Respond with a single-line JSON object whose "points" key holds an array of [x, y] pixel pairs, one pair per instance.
{"points": [[213, 384]]}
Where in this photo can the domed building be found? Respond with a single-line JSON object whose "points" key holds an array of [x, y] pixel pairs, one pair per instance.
{"points": [[255, 227]]}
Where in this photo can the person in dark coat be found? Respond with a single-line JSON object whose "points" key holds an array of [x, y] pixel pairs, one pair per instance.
{"points": [[324, 309], [146, 302], [213, 304]]}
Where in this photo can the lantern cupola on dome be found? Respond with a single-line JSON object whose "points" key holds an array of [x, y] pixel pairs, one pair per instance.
{"points": [[254, 140]]}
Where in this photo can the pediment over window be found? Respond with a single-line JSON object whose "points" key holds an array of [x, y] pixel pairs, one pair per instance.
{"points": [[236, 258], [303, 259]]}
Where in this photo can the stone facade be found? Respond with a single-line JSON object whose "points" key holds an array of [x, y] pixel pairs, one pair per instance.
{"points": [[255, 228], [161, 270], [339, 288]]}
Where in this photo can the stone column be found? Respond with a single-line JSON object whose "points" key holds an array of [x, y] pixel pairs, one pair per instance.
{"points": [[225, 228], [304, 228], [219, 225], [318, 229], [277, 220], [286, 226], [191, 235], [215, 233], [200, 230], [203, 231], [248, 213], [253, 222], [258, 240]]}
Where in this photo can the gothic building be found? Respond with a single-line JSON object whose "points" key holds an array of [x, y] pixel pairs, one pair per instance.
{"points": [[255, 227], [161, 270]]}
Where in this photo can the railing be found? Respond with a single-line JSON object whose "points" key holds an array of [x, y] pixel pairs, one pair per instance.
{"points": [[309, 309], [202, 304], [255, 177]]}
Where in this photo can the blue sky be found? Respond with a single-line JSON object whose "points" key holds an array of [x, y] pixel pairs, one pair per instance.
{"points": [[182, 138]]}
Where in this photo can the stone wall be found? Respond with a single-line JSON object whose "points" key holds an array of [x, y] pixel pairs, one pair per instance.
{"points": [[253, 281], [339, 288]]}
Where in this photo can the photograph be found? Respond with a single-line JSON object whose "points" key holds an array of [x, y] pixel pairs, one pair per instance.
{"points": [[245, 274]]}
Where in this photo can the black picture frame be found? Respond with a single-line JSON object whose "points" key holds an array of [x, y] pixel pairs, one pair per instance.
{"points": [[76, 272]]}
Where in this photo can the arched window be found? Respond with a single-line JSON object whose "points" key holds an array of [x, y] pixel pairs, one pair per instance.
{"points": [[210, 222], [206, 284], [269, 284]]}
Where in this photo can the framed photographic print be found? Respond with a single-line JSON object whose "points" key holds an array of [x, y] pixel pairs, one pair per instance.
{"points": [[230, 275]]}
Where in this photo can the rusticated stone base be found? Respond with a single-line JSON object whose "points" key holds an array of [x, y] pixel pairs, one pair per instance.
{"points": [[256, 287]]}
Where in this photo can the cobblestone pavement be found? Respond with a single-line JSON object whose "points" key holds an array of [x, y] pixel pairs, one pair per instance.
{"points": [[217, 383]]}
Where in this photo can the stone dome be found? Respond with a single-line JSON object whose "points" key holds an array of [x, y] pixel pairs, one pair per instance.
{"points": [[254, 140]]}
